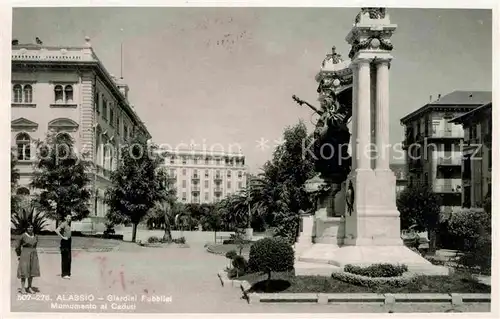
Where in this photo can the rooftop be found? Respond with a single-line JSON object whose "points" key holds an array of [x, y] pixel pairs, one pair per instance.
{"points": [[459, 99], [464, 117]]}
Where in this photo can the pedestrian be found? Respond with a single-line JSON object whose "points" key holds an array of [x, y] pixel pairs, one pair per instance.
{"points": [[27, 256], [64, 231]]}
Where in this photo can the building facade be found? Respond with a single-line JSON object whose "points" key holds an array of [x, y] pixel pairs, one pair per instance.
{"points": [[67, 90], [433, 144], [205, 177], [399, 170], [477, 155]]}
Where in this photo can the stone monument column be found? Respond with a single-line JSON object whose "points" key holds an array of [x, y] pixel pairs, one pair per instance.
{"points": [[372, 218], [382, 115]]}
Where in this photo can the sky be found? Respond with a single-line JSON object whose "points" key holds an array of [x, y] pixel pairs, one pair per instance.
{"points": [[224, 77]]}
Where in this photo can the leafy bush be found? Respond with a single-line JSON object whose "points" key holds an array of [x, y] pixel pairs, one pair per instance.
{"points": [[370, 282], [377, 270], [27, 216], [233, 242], [240, 265], [180, 240], [231, 254], [271, 254], [472, 228], [153, 240]]}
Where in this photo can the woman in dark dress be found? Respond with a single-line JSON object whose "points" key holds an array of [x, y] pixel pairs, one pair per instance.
{"points": [[28, 259]]}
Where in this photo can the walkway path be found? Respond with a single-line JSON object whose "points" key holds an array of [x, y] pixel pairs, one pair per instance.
{"points": [[185, 277]]}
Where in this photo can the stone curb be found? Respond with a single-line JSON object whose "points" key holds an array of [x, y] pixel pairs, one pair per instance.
{"points": [[226, 282], [88, 250], [215, 252], [326, 298]]}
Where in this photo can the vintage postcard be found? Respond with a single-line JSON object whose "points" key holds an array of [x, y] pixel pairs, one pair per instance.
{"points": [[242, 159]]}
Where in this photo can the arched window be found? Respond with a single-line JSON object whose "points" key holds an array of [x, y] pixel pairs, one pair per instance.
{"points": [[58, 93], [23, 147], [17, 93], [23, 191], [28, 93], [68, 94]]}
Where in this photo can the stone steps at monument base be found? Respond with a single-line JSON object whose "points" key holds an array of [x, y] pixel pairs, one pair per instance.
{"points": [[314, 269]]}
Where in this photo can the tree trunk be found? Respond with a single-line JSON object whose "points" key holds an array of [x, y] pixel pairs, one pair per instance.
{"points": [[249, 223], [432, 241], [215, 236], [134, 231]]}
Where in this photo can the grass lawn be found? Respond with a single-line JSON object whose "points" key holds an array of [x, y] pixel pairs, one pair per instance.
{"points": [[51, 241], [283, 282], [223, 249]]}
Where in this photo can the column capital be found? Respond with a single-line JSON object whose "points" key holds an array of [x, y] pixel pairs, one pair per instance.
{"points": [[382, 61], [361, 60]]}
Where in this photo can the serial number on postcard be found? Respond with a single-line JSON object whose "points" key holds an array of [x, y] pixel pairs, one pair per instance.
{"points": [[35, 297]]}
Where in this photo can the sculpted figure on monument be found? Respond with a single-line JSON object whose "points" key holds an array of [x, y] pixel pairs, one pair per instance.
{"points": [[374, 13]]}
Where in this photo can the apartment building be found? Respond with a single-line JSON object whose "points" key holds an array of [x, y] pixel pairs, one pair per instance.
{"points": [[205, 177], [399, 170], [67, 90], [432, 144], [477, 154]]}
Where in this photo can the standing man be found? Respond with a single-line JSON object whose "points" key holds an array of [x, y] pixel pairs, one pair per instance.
{"points": [[64, 231]]}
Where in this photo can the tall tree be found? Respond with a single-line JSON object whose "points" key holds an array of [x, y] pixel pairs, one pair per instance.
{"points": [[137, 184], [14, 180], [62, 177], [420, 207]]}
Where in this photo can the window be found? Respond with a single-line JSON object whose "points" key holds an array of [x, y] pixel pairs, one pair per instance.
{"points": [[23, 147], [195, 173], [206, 184], [172, 160], [184, 160], [228, 173], [96, 102], [206, 196], [125, 131], [206, 161], [184, 172], [184, 196], [28, 94], [206, 173], [240, 185], [240, 174], [23, 191], [22, 93], [58, 94], [118, 123], [228, 184], [17, 93], [68, 94], [184, 184], [111, 116], [217, 161], [172, 172], [195, 160], [105, 109]]}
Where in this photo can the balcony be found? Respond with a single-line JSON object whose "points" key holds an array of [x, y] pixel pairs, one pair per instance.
{"points": [[218, 189], [218, 177], [446, 134], [195, 177], [195, 188], [449, 161], [447, 188]]}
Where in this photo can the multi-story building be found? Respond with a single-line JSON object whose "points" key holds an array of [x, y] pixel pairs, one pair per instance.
{"points": [[432, 144], [399, 170], [205, 177], [477, 155], [67, 90]]}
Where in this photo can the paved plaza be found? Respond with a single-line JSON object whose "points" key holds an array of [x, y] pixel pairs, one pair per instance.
{"points": [[182, 279]]}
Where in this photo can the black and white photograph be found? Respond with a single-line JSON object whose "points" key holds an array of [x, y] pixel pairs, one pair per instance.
{"points": [[241, 158]]}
